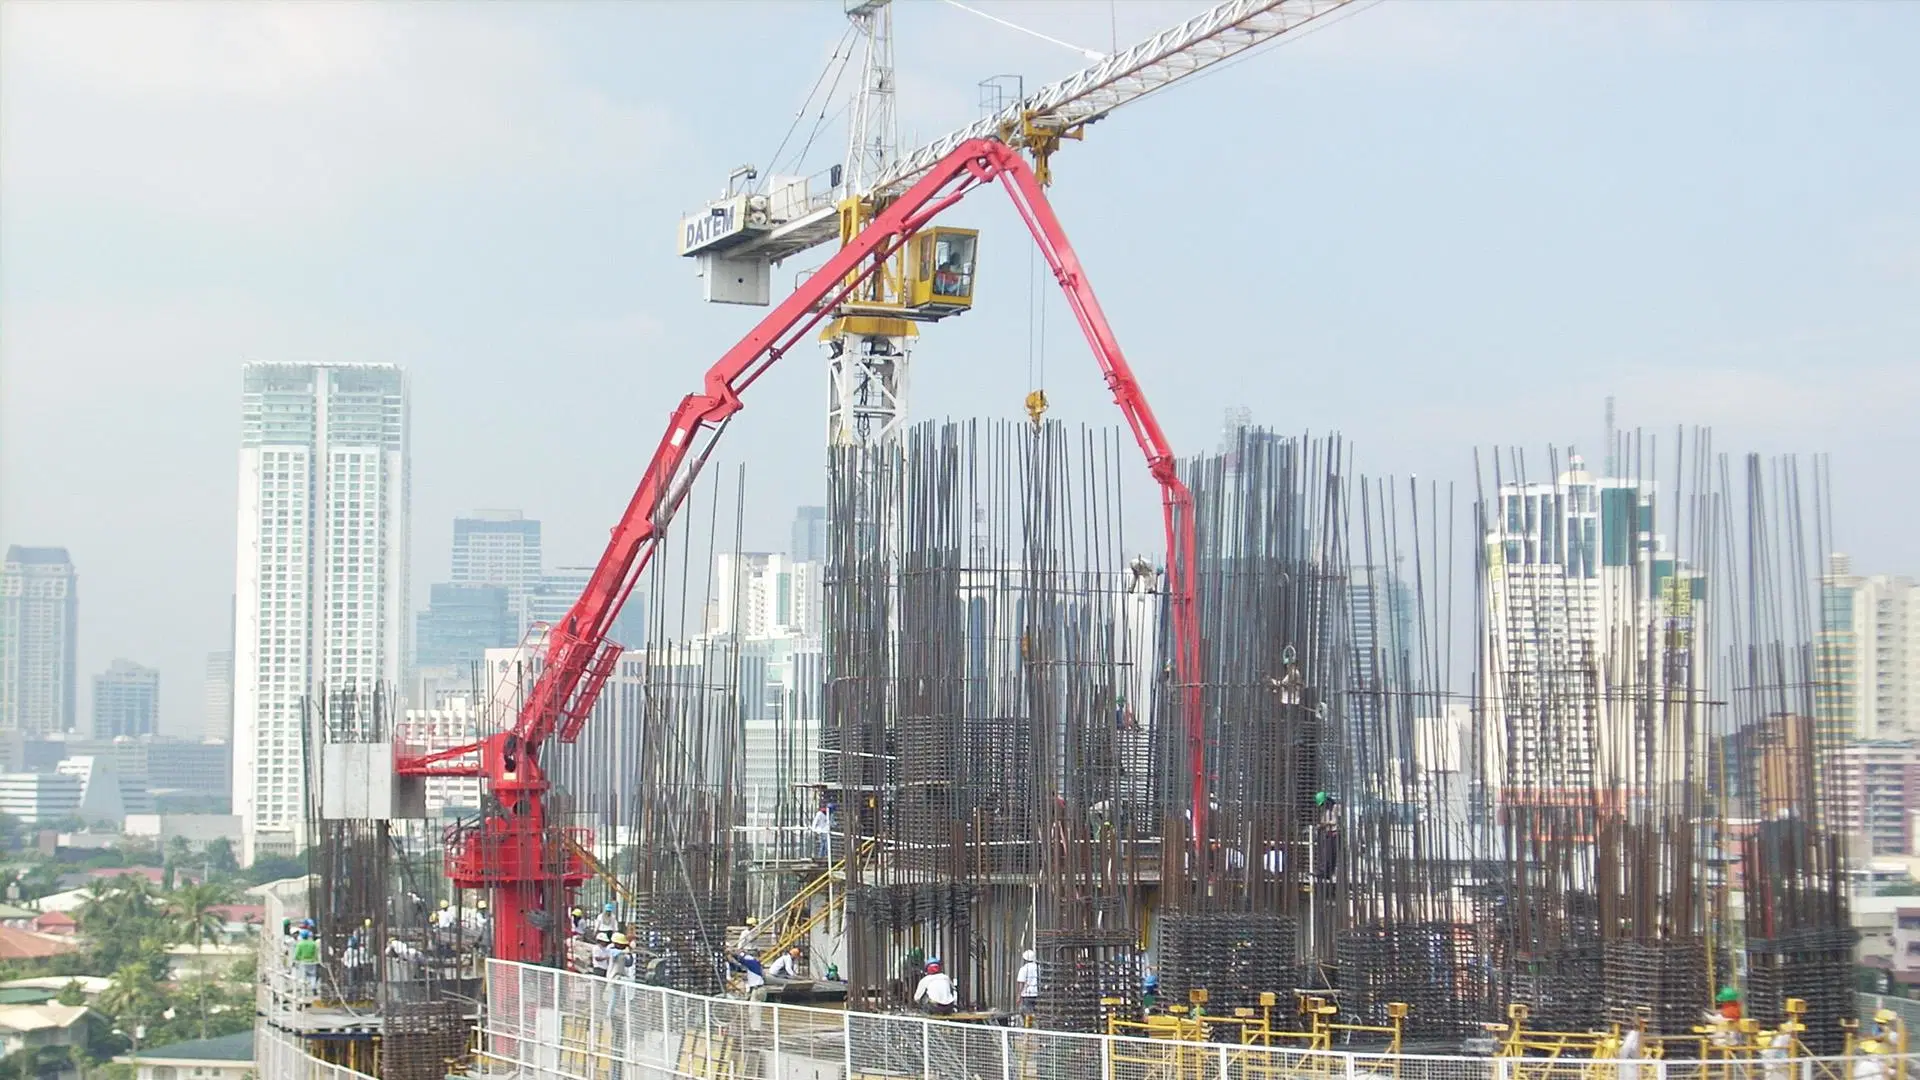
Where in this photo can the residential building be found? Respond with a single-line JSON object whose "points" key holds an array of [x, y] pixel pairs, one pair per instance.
{"points": [[809, 535], [217, 722], [1879, 785], [1868, 659], [321, 570], [126, 700], [499, 547], [39, 640], [229, 1057], [1577, 581], [461, 623], [26, 1029], [554, 596]]}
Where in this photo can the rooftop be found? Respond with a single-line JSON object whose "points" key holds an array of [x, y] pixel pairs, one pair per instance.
{"points": [[27, 945], [38, 556], [237, 1047], [39, 1017]]}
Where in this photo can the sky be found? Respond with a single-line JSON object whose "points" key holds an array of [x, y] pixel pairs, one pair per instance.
{"points": [[1432, 227]]}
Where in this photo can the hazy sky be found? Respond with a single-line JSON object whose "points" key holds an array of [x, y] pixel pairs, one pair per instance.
{"points": [[1431, 226]]}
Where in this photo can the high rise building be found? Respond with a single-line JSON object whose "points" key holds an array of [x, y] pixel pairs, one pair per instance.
{"points": [[1868, 658], [1577, 582], [126, 700], [39, 640], [553, 597], [1879, 782], [764, 594], [321, 570], [217, 722], [809, 534], [499, 547], [461, 623]]}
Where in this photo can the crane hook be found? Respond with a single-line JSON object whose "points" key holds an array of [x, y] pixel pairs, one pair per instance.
{"points": [[1036, 407]]}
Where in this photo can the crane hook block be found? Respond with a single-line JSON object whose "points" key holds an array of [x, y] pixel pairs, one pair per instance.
{"points": [[1036, 407]]}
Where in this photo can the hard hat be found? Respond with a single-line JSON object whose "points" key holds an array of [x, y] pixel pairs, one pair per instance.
{"points": [[608, 906], [933, 967], [1321, 798], [1884, 1016], [577, 913], [368, 922], [605, 937], [1726, 994], [1027, 956], [619, 939], [751, 921], [1871, 1046], [483, 905], [444, 903]]}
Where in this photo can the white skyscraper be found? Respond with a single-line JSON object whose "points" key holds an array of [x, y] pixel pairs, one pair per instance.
{"points": [[775, 595], [1869, 653], [321, 569], [1578, 581], [39, 635]]}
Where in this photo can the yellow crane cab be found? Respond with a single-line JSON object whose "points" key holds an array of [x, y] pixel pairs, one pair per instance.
{"points": [[940, 271]]}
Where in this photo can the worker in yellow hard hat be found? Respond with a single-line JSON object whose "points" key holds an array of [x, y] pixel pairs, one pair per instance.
{"points": [[1872, 1062]]}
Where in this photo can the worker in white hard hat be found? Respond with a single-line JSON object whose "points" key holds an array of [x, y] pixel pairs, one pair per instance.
{"points": [[1027, 981], [602, 953]]}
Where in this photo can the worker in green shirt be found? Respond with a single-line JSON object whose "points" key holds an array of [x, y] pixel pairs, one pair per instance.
{"points": [[306, 956]]}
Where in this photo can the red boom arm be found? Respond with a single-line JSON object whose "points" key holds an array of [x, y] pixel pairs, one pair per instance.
{"points": [[513, 853]]}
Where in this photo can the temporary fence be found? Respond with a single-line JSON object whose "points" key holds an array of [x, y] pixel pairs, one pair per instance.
{"points": [[542, 1023]]}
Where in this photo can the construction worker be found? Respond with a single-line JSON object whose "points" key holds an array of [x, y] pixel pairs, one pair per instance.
{"points": [[787, 966], [578, 923], [747, 933], [602, 953], [443, 919], [608, 921], [756, 980], [822, 831], [1872, 1062], [1727, 1004], [306, 954], [1027, 982], [936, 989], [619, 957]]}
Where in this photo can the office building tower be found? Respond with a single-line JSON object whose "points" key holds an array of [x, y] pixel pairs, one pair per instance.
{"points": [[499, 547], [217, 719], [1879, 784], [1868, 655], [461, 623], [809, 534], [126, 700], [553, 597], [321, 570], [39, 641]]}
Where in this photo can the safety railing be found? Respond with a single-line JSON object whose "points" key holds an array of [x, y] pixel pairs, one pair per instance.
{"points": [[556, 1025], [279, 1056]]}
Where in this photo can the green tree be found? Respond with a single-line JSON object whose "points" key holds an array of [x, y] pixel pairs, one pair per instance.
{"points": [[220, 856], [72, 994], [193, 907], [179, 850]]}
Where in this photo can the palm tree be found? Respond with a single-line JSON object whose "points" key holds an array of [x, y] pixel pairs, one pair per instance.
{"points": [[193, 906]]}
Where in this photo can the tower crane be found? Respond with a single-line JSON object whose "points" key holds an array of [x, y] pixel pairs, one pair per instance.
{"points": [[895, 262]]}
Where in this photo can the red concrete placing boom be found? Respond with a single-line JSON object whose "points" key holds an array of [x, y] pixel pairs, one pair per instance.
{"points": [[514, 851]]}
